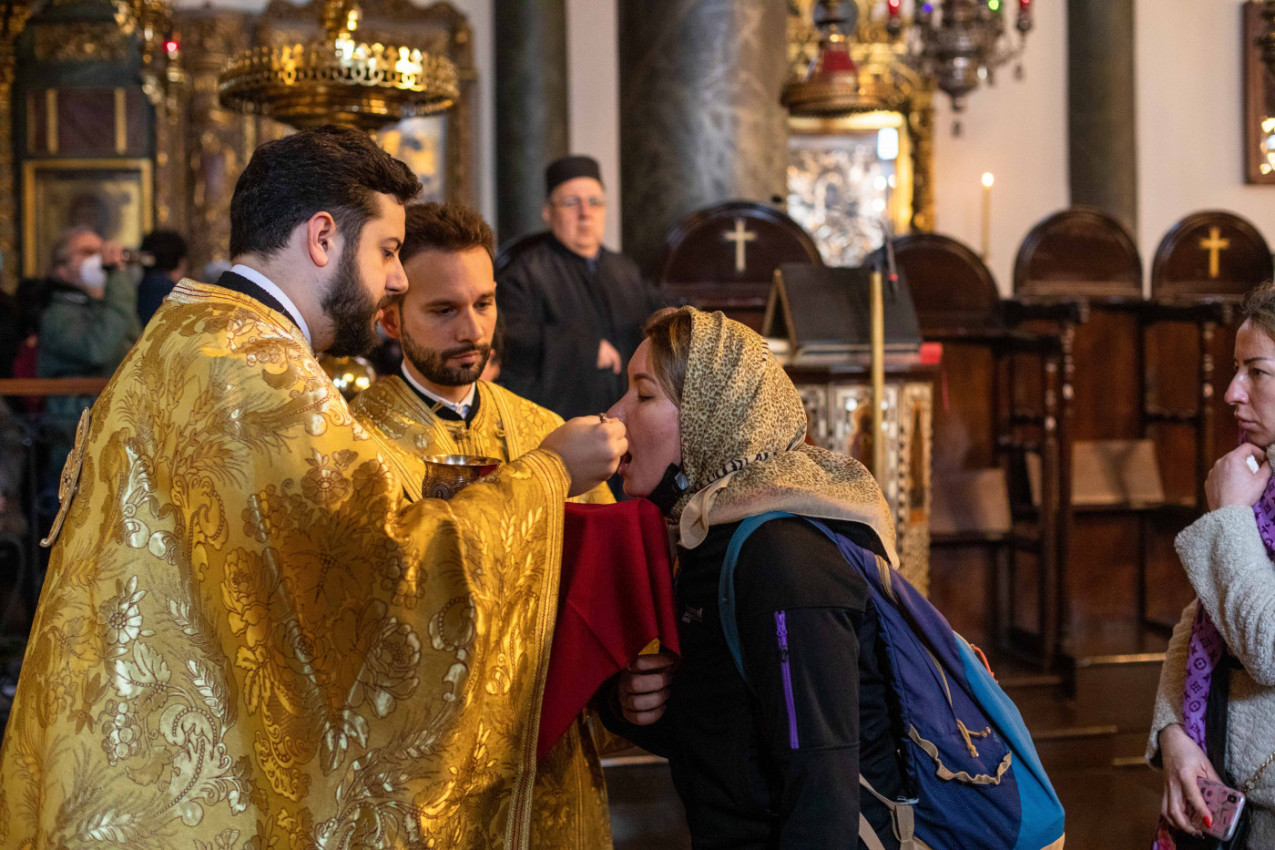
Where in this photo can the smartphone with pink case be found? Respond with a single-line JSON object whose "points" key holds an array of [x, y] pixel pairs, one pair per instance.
{"points": [[1224, 804]]}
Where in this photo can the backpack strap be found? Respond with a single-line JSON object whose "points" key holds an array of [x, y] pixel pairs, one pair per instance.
{"points": [[726, 585], [867, 835], [901, 813]]}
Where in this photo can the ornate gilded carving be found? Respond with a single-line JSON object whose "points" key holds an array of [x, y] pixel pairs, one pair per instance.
{"points": [[900, 91], [921, 129], [10, 29], [908, 433], [202, 147], [846, 178], [916, 443], [80, 41]]}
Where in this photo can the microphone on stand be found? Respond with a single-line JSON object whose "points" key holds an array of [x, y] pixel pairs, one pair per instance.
{"points": [[891, 268]]}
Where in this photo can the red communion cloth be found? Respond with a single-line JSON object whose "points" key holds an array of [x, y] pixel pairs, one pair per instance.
{"points": [[616, 597]]}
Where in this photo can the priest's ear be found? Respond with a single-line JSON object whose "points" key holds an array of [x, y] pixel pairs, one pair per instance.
{"points": [[391, 318], [321, 239]]}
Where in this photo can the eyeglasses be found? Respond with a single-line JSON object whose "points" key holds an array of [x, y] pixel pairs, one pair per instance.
{"points": [[571, 202]]}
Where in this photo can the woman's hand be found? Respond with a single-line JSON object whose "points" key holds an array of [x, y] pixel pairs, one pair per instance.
{"points": [[1233, 482], [1183, 762], [642, 690]]}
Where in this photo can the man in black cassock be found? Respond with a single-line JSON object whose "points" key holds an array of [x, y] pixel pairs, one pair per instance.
{"points": [[573, 310]]}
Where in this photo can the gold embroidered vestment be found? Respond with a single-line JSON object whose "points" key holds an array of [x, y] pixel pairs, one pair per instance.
{"points": [[569, 803], [248, 636]]}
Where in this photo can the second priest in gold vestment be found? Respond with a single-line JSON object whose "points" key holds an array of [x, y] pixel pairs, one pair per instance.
{"points": [[438, 406]]}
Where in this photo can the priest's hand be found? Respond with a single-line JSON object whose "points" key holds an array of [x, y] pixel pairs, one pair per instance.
{"points": [[590, 448], [642, 689], [1183, 762], [1234, 481], [112, 254], [609, 358]]}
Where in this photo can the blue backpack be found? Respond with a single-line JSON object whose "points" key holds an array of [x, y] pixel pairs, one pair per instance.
{"points": [[978, 780]]}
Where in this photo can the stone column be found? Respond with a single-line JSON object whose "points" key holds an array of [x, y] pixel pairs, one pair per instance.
{"points": [[700, 119], [531, 108], [1102, 151]]}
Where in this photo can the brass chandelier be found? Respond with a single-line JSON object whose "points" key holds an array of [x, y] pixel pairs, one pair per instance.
{"points": [[338, 79], [861, 55]]}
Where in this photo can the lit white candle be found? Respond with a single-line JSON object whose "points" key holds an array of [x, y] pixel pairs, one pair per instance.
{"points": [[986, 241]]}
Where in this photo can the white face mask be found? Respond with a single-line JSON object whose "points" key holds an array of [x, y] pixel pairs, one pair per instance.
{"points": [[92, 275]]}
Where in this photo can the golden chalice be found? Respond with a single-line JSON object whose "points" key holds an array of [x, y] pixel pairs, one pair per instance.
{"points": [[447, 475]]}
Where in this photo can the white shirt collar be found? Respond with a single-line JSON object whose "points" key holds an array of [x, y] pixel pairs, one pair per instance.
{"points": [[461, 407], [275, 292]]}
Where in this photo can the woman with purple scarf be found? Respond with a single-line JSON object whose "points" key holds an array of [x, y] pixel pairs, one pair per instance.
{"points": [[1215, 708]]}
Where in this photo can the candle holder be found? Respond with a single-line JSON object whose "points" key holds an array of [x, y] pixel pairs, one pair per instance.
{"points": [[447, 475]]}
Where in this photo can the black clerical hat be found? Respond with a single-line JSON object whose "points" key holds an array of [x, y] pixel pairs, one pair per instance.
{"points": [[569, 168]]}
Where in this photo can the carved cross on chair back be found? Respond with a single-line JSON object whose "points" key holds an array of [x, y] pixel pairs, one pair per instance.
{"points": [[724, 258], [1210, 255]]}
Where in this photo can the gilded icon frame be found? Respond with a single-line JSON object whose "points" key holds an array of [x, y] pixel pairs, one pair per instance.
{"points": [[910, 205], [1259, 103], [114, 196]]}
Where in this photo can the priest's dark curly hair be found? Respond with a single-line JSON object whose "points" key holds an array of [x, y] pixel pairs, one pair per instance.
{"points": [[332, 169]]}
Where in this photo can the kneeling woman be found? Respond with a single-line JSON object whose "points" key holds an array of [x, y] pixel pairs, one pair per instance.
{"points": [[717, 434]]}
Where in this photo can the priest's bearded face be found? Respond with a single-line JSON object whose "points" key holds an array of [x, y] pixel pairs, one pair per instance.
{"points": [[367, 274], [576, 212], [654, 427], [1251, 392], [447, 319]]}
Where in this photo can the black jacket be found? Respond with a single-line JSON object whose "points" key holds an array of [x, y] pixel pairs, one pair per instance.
{"points": [[777, 765], [557, 308]]}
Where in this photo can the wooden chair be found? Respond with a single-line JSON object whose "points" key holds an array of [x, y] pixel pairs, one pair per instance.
{"points": [[981, 493], [1087, 257], [1203, 268]]}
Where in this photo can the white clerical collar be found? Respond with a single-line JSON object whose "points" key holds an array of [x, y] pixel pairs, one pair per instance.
{"points": [[276, 293], [460, 407]]}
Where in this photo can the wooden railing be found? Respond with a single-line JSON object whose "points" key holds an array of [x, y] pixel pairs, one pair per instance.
{"points": [[51, 386]]}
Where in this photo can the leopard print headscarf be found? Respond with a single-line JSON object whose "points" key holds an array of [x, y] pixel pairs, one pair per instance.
{"points": [[743, 442]]}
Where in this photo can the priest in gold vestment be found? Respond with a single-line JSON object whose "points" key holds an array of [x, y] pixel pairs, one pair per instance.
{"points": [[437, 406], [248, 636]]}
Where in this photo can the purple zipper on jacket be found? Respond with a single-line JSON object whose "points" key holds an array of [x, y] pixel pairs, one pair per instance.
{"points": [[781, 629]]}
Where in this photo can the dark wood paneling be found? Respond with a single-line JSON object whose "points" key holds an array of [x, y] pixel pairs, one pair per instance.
{"points": [[1078, 252]]}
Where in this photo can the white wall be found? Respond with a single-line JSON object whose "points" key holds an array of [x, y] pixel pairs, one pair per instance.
{"points": [[1017, 130], [1190, 107]]}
